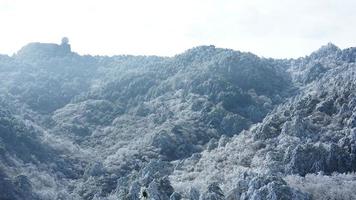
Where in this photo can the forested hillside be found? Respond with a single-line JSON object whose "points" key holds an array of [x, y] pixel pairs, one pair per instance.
{"points": [[206, 124]]}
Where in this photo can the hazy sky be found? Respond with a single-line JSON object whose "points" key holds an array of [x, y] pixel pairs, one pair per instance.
{"points": [[269, 28]]}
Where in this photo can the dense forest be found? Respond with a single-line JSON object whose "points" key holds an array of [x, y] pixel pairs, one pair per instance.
{"points": [[206, 124]]}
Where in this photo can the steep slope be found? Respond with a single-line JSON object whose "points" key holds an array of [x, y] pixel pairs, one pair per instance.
{"points": [[312, 132]]}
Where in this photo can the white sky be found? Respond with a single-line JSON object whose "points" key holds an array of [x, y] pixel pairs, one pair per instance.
{"points": [[269, 28]]}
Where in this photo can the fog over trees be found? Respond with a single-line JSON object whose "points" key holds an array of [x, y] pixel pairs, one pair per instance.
{"points": [[206, 124]]}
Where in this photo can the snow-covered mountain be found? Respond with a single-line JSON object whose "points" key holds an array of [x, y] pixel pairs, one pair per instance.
{"points": [[206, 124]]}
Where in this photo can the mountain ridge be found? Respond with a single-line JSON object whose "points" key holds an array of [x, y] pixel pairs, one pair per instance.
{"points": [[209, 123]]}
